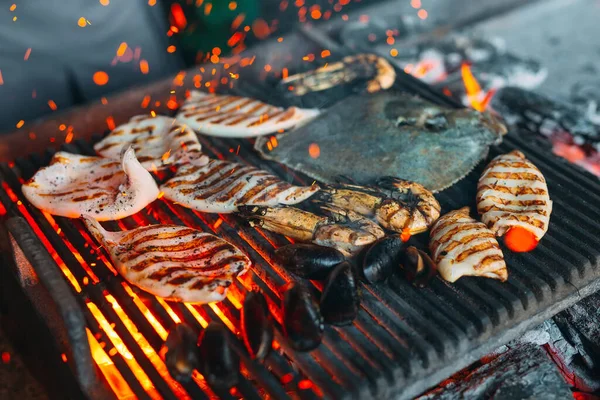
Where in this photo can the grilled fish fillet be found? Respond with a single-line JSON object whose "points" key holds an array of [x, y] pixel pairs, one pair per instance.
{"points": [[106, 189], [158, 142], [173, 262], [235, 116], [222, 186], [513, 192], [462, 246]]}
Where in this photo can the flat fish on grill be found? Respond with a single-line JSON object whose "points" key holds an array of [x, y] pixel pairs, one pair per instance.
{"points": [[235, 116], [222, 186], [173, 262], [106, 189], [512, 198], [158, 142], [388, 134], [462, 246]]}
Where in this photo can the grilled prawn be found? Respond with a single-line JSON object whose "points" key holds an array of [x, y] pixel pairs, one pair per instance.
{"points": [[512, 198], [378, 70], [343, 230], [173, 262], [401, 206]]}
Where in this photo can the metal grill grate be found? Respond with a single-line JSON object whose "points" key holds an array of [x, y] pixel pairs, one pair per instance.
{"points": [[404, 339]]}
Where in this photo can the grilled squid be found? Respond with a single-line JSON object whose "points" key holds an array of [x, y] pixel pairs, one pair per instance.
{"points": [[106, 189], [462, 246], [402, 206], [343, 230], [378, 70], [173, 262], [235, 116], [513, 200]]}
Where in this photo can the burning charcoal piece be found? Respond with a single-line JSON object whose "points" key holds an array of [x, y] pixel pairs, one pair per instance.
{"points": [[182, 352], [309, 261], [542, 114], [365, 128], [340, 301], [218, 362], [418, 267], [302, 320], [257, 326], [382, 258]]}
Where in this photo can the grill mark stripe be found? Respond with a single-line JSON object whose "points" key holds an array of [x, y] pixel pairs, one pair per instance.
{"points": [[475, 250], [272, 193], [269, 180], [200, 257], [227, 181], [520, 176], [160, 236], [198, 243]]}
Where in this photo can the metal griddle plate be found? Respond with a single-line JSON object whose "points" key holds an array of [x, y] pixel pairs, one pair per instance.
{"points": [[404, 340]]}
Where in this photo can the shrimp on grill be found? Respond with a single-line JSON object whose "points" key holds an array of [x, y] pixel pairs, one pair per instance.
{"points": [[398, 205], [513, 200], [377, 69], [343, 230], [462, 246], [173, 262]]}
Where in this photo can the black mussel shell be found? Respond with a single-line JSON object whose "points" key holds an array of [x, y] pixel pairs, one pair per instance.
{"points": [[418, 267], [257, 325], [181, 357], [340, 301], [309, 261], [302, 321], [218, 362], [382, 258]]}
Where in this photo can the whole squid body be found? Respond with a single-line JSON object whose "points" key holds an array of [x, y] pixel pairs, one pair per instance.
{"points": [[388, 134]]}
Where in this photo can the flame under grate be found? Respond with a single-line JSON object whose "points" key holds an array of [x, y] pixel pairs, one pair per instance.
{"points": [[403, 338]]}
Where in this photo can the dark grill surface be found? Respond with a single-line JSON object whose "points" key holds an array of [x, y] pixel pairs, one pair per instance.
{"points": [[404, 339]]}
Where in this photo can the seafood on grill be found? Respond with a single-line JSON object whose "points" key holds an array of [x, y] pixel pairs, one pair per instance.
{"points": [[462, 246], [513, 200], [418, 267], [158, 142], [222, 186], [343, 230], [388, 134], [173, 262], [383, 258], [256, 325], [378, 71], [398, 205], [181, 357], [105, 189], [303, 324], [219, 363], [339, 300], [309, 260], [235, 116]]}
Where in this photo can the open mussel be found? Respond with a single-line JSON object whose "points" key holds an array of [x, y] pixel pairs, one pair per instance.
{"points": [[181, 357], [418, 267], [302, 321], [218, 362], [309, 261], [383, 258], [340, 301], [257, 325]]}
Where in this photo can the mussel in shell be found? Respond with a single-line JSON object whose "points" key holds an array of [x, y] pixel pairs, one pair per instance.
{"points": [[257, 325], [340, 301], [181, 357], [309, 261], [218, 362], [418, 267], [382, 258], [302, 321]]}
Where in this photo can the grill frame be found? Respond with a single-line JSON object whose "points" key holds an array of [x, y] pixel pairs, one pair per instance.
{"points": [[455, 338]]}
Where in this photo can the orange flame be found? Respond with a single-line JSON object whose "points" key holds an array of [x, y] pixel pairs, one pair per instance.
{"points": [[476, 96]]}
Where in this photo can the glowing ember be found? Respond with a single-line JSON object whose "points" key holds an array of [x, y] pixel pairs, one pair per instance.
{"points": [[474, 92], [52, 105], [422, 14], [27, 54], [121, 50], [105, 2], [520, 240], [82, 22], [314, 150], [20, 123], [6, 357], [178, 16], [100, 78]]}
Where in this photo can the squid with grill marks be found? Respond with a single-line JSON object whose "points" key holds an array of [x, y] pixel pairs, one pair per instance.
{"points": [[173, 262], [462, 246], [158, 142], [106, 189], [513, 200], [222, 186], [378, 71], [398, 205], [235, 116], [343, 230]]}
